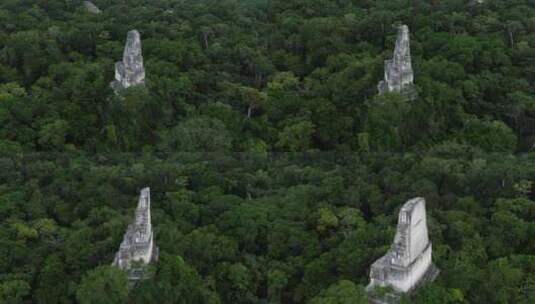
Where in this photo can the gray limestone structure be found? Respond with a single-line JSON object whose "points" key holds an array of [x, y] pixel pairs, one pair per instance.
{"points": [[399, 76], [91, 7], [408, 263], [137, 248], [130, 71]]}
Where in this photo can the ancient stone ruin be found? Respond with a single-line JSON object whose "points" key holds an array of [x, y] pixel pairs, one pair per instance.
{"points": [[399, 76], [130, 71], [91, 7], [137, 248], [408, 262]]}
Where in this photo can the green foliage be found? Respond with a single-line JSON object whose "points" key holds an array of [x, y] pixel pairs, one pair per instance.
{"points": [[296, 137], [103, 285], [175, 282], [385, 123], [492, 136], [14, 291], [260, 77], [344, 292], [435, 294], [286, 76], [197, 134], [236, 228]]}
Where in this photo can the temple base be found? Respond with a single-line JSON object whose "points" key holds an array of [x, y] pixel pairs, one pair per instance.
{"points": [[409, 92], [381, 295]]}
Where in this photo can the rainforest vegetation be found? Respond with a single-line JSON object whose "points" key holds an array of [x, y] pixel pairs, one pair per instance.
{"points": [[276, 170]]}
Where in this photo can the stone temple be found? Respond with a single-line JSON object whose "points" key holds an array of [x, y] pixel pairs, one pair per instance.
{"points": [[91, 7], [137, 248], [399, 76], [130, 71], [408, 262]]}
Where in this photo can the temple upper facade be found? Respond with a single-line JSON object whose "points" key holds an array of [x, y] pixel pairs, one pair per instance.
{"points": [[130, 71], [408, 262], [138, 243], [91, 7], [399, 76]]}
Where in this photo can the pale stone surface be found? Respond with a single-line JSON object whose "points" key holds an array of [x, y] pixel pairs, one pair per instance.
{"points": [[138, 244], [399, 76], [408, 262], [130, 71], [91, 7]]}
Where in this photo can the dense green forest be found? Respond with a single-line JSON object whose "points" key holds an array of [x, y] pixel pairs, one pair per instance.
{"points": [[276, 169], [274, 75]]}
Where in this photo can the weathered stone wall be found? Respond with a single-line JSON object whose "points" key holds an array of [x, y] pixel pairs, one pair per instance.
{"points": [[409, 259], [138, 244], [411, 236], [130, 71], [402, 278], [399, 75]]}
